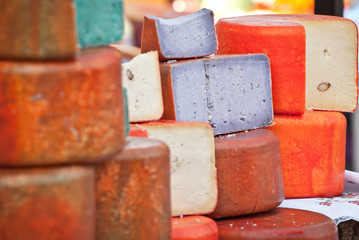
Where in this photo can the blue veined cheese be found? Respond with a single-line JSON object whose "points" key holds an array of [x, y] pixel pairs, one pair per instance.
{"points": [[230, 92]]}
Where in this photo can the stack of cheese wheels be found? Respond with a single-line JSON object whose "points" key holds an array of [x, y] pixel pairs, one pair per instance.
{"points": [[66, 169]]}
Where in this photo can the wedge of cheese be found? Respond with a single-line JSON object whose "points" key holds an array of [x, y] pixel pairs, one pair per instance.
{"points": [[279, 224], [193, 172], [232, 93], [137, 131], [312, 150], [249, 173], [47, 203], [331, 60], [188, 36], [194, 228], [141, 76], [133, 192], [59, 112], [283, 42]]}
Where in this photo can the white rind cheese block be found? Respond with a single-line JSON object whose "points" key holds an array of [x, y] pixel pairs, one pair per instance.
{"points": [[141, 76], [331, 60], [193, 171]]}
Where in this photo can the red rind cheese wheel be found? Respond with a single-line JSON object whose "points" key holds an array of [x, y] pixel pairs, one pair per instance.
{"points": [[194, 228], [133, 192], [61, 112], [312, 150], [284, 44], [51, 203], [279, 224], [249, 173]]}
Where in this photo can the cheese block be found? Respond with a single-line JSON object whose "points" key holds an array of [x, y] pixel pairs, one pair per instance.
{"points": [[137, 131], [61, 111], [141, 76], [99, 22], [55, 29], [133, 192], [331, 60], [193, 172], [279, 224], [217, 90], [249, 173], [38, 29], [312, 150], [194, 228], [187, 36], [284, 44], [47, 203], [232, 93]]}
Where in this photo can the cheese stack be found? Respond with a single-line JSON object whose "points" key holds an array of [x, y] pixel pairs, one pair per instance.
{"points": [[60, 106], [312, 144]]}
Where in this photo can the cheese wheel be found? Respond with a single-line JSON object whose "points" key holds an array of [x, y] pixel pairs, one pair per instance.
{"points": [[47, 203], [331, 60], [63, 111], [232, 93], [133, 193], [187, 36], [194, 228], [312, 150], [283, 43], [37, 29], [141, 76], [193, 172], [279, 224], [48, 30], [245, 161]]}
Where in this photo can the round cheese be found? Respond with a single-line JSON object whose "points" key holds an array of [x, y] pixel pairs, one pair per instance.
{"points": [[194, 228]]}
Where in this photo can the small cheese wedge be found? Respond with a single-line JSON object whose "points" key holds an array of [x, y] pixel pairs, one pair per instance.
{"points": [[133, 192], [331, 60], [141, 76], [194, 228], [312, 150], [188, 36], [137, 131], [47, 203], [249, 173], [279, 224], [283, 42], [60, 112], [193, 172], [232, 92]]}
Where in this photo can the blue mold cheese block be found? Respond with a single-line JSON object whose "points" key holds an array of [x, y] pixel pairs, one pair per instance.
{"points": [[230, 92], [188, 36], [99, 22]]}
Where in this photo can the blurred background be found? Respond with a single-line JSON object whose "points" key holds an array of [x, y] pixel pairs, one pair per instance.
{"points": [[136, 9]]}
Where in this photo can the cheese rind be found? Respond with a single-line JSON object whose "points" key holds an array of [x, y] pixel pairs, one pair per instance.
{"points": [[188, 36], [47, 203], [249, 173], [37, 29], [279, 224], [141, 76], [232, 93], [194, 228], [133, 192], [312, 150], [283, 43], [193, 172], [61, 112]]}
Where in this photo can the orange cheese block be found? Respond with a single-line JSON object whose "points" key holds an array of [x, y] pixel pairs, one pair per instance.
{"points": [[283, 43], [249, 173], [279, 224], [137, 131], [194, 228], [63, 111], [133, 192], [38, 29], [47, 203], [312, 149]]}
